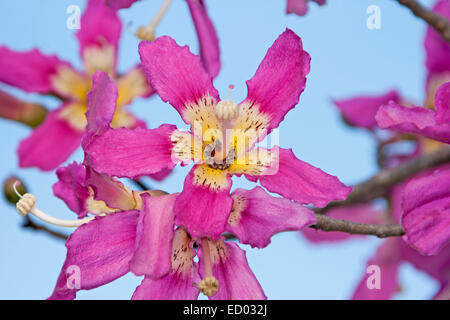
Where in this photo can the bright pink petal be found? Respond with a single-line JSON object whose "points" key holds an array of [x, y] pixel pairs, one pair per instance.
{"points": [[203, 207], [365, 213], [257, 216], [101, 106], [437, 266], [437, 49], [99, 26], [426, 212], [71, 188], [161, 175], [385, 264], [299, 7], [176, 74], [132, 153], [50, 144], [207, 37], [416, 120], [119, 4], [101, 249], [30, 70], [154, 237], [178, 284], [280, 79], [299, 181], [442, 102], [361, 111], [230, 268]]}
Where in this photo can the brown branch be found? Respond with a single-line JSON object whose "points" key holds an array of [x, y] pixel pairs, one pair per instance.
{"points": [[29, 223], [326, 223], [438, 22], [379, 185]]}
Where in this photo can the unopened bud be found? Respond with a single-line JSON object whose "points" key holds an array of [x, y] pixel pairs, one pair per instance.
{"points": [[27, 113], [8, 190]]}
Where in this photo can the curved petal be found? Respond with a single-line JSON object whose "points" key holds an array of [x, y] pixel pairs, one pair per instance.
{"points": [[416, 120], [364, 213], [177, 285], [205, 203], [256, 216], [384, 266], [30, 70], [437, 49], [230, 268], [300, 7], [50, 144], [99, 35], [426, 212], [299, 181], [361, 111], [71, 188], [276, 86], [101, 106], [132, 153], [442, 102], [207, 36], [154, 237], [178, 77], [119, 4], [98, 252]]}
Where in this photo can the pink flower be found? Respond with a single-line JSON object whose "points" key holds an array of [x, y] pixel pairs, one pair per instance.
{"points": [[360, 111], [206, 33], [60, 134], [222, 137], [134, 231], [418, 120], [300, 7]]}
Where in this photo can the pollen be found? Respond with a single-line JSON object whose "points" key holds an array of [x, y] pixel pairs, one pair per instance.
{"points": [[209, 286], [145, 33]]}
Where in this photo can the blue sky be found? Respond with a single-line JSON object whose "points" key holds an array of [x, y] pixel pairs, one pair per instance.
{"points": [[347, 59]]}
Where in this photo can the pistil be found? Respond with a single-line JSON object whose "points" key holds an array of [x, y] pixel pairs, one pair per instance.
{"points": [[209, 285], [26, 205]]}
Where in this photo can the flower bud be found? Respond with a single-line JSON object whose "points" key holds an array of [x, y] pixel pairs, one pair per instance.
{"points": [[27, 113], [8, 190]]}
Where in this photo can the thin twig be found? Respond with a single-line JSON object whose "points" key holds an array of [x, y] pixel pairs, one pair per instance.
{"points": [[29, 223], [380, 184], [326, 223], [438, 22]]}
